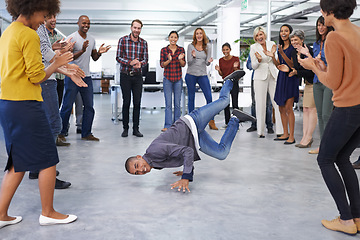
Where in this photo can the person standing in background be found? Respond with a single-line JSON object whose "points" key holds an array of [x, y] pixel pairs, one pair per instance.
{"points": [[132, 54], [265, 75], [322, 94], [227, 65], [198, 57], [309, 117], [172, 59], [55, 38], [84, 48], [268, 118], [287, 88]]}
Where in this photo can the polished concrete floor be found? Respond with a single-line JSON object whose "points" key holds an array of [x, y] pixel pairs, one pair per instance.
{"points": [[263, 190]]}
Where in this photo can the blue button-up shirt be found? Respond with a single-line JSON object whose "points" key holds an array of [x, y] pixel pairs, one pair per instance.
{"points": [[317, 49]]}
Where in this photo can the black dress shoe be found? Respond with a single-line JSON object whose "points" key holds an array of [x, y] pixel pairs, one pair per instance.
{"points": [[261, 136], [281, 139], [36, 175], [78, 130], [137, 133], [125, 133], [251, 129], [59, 184], [288, 143], [270, 131]]}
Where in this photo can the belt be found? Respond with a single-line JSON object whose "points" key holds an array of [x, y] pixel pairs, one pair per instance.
{"points": [[132, 73]]}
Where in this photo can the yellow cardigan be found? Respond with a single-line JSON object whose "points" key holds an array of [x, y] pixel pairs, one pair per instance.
{"points": [[21, 64]]}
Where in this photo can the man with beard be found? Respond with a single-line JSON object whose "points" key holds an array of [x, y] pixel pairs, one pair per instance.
{"points": [[84, 48], [132, 54]]}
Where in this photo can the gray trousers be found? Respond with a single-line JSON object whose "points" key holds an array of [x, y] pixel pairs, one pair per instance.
{"points": [[324, 105]]}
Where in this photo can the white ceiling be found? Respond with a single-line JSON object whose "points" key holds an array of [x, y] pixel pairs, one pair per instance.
{"points": [[110, 19]]}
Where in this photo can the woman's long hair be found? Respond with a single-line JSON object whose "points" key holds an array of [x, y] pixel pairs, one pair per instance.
{"points": [[281, 42], [204, 42], [329, 29]]}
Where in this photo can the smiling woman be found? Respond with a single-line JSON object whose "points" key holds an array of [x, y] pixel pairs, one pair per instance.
{"points": [[29, 142]]}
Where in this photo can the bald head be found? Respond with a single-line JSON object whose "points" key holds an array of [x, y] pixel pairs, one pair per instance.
{"points": [[84, 24]]}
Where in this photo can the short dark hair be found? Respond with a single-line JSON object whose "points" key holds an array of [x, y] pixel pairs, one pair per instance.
{"points": [[128, 162], [138, 21], [226, 45], [83, 16], [29, 7], [342, 9], [322, 21], [174, 32], [281, 42]]}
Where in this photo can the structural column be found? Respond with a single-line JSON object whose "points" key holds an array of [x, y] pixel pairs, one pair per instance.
{"points": [[228, 29]]}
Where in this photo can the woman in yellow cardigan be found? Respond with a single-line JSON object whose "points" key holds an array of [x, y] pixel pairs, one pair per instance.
{"points": [[28, 138]]}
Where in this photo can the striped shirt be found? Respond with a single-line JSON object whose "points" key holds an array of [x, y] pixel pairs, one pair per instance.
{"points": [[172, 71], [129, 50], [46, 49]]}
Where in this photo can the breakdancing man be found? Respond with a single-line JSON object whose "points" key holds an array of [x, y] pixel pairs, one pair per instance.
{"points": [[180, 143]]}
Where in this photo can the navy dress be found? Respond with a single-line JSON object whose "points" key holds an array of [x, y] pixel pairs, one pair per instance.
{"points": [[286, 87]]}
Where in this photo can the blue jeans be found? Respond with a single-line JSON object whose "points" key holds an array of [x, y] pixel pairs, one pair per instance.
{"points": [[51, 105], [204, 84], [71, 90], [341, 137], [169, 88], [204, 114]]}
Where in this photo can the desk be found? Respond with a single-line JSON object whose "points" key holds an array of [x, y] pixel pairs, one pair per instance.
{"points": [[115, 94]]}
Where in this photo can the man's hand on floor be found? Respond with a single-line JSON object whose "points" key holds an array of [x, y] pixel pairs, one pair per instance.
{"points": [[181, 184]]}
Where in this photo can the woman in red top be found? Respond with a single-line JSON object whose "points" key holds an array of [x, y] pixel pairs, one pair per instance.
{"points": [[172, 59], [227, 65]]}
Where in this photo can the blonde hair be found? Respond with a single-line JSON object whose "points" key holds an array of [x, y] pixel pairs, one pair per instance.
{"points": [[205, 40], [257, 30]]}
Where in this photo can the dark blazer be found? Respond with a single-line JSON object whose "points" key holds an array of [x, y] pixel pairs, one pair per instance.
{"points": [[307, 75]]}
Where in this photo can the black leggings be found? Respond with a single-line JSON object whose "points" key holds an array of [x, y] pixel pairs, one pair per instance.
{"points": [[341, 137]]}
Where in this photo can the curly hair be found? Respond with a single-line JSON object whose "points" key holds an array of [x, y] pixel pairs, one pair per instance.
{"points": [[342, 9], [28, 7]]}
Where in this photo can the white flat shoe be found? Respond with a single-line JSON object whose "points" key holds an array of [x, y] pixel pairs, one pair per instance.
{"points": [[6, 223], [52, 221]]}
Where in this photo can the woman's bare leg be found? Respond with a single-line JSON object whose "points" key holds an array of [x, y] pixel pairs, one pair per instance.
{"points": [[291, 118], [46, 186], [10, 183], [284, 121]]}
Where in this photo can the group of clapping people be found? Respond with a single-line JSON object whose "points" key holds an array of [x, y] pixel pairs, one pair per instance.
{"points": [[277, 72], [331, 77]]}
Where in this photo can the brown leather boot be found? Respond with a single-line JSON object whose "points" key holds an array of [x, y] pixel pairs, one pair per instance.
{"points": [[212, 125]]}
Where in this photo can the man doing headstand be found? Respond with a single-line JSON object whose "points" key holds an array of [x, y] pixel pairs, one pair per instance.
{"points": [[180, 143]]}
